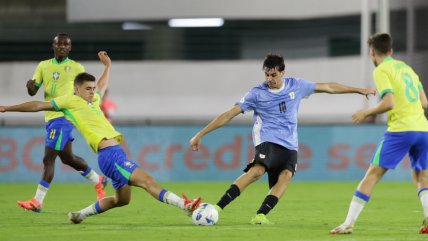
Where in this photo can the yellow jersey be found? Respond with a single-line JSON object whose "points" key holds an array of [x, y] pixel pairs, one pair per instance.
{"points": [[87, 118], [57, 79], [396, 77]]}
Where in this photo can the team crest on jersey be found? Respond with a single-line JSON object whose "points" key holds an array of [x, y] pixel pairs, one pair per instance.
{"points": [[67, 68], [55, 76], [292, 95]]}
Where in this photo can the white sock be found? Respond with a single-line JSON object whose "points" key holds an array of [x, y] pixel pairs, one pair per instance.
{"points": [[355, 208], [91, 175], [171, 198], [41, 191], [423, 196], [91, 210]]}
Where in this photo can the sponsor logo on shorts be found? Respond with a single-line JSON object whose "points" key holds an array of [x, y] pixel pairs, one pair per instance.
{"points": [[129, 164]]}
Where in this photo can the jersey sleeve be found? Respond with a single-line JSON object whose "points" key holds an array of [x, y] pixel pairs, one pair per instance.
{"points": [[38, 75], [61, 102], [80, 68], [306, 88], [382, 82], [248, 102]]}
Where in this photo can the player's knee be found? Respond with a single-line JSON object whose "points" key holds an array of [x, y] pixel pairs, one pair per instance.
{"points": [[122, 202], [420, 179], [66, 160], [48, 162], [257, 172], [148, 181]]}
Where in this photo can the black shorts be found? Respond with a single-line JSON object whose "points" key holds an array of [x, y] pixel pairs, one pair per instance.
{"points": [[275, 158]]}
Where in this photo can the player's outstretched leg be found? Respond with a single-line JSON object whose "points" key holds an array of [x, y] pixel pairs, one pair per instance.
{"points": [[142, 179], [121, 198]]}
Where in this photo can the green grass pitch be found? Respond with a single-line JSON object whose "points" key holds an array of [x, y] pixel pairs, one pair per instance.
{"points": [[306, 212]]}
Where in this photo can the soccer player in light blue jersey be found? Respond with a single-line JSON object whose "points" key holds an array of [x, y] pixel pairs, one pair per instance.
{"points": [[275, 104]]}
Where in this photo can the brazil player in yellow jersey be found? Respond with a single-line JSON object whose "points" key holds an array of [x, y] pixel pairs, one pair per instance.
{"points": [[83, 110], [403, 98], [56, 75]]}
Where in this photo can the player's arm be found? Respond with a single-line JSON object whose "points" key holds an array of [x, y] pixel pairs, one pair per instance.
{"points": [[32, 106], [385, 104], [104, 79], [31, 87], [423, 98], [336, 88], [217, 122]]}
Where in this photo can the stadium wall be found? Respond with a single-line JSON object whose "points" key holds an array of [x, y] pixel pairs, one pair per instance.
{"points": [[327, 153], [196, 91]]}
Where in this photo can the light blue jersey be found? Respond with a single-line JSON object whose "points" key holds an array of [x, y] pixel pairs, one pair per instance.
{"points": [[275, 111]]}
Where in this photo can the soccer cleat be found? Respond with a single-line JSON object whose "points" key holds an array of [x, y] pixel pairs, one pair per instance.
{"points": [[75, 217], [31, 205], [100, 187], [218, 208], [260, 219], [191, 205], [424, 228], [342, 229]]}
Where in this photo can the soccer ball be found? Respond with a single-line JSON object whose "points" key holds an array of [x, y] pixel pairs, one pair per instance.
{"points": [[205, 215]]}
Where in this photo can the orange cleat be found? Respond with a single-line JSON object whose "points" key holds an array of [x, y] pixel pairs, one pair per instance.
{"points": [[191, 205], [424, 228], [100, 187], [31, 205]]}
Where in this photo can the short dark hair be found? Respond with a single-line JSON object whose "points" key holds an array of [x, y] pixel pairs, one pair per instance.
{"points": [[274, 61], [62, 35], [82, 77], [380, 42]]}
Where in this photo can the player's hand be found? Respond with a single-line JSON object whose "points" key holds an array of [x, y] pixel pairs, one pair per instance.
{"points": [[368, 91], [105, 59], [31, 87], [31, 83], [359, 116], [194, 143]]}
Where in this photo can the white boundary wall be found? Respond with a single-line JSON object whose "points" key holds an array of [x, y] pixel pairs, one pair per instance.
{"points": [[189, 91]]}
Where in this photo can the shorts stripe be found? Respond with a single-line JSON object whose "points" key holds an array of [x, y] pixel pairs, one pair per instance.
{"points": [[124, 172], [59, 141], [376, 157]]}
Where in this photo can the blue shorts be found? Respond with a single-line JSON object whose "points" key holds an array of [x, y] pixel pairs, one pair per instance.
{"points": [[114, 164], [395, 146], [58, 133]]}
